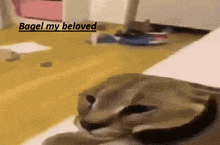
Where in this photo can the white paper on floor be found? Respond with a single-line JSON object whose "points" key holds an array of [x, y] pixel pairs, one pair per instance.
{"points": [[26, 47]]}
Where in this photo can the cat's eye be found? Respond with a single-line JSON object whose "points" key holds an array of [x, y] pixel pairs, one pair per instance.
{"points": [[90, 99], [136, 109]]}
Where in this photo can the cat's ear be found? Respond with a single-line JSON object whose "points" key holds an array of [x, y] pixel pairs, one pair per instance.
{"points": [[168, 119]]}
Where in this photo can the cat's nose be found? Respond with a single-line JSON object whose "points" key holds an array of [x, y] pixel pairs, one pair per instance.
{"points": [[92, 126]]}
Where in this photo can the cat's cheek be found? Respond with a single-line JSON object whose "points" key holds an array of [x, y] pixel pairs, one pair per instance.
{"points": [[90, 134]]}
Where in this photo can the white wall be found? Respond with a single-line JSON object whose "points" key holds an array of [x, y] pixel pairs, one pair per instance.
{"points": [[201, 14], [76, 10], [109, 10], [114, 11]]}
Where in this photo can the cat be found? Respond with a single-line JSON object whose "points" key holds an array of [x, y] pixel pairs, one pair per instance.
{"points": [[138, 109]]}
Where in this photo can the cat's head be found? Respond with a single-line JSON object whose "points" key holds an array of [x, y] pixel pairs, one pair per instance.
{"points": [[131, 103]]}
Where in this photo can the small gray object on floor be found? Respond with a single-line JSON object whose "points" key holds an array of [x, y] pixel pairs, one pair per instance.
{"points": [[9, 55], [46, 64]]}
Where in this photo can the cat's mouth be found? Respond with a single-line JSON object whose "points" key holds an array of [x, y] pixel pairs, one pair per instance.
{"points": [[103, 131], [92, 126]]}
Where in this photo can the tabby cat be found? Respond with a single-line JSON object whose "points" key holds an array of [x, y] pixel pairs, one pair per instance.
{"points": [[138, 109]]}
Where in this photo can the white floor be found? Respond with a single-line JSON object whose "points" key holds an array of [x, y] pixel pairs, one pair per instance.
{"points": [[199, 62]]}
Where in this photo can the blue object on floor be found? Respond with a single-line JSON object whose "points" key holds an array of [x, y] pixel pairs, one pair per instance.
{"points": [[107, 39], [132, 40], [140, 40]]}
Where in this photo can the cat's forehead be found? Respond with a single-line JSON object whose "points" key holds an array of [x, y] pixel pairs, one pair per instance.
{"points": [[122, 91], [118, 84]]}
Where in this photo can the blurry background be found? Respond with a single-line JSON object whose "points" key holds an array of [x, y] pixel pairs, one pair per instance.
{"points": [[34, 98], [199, 14]]}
